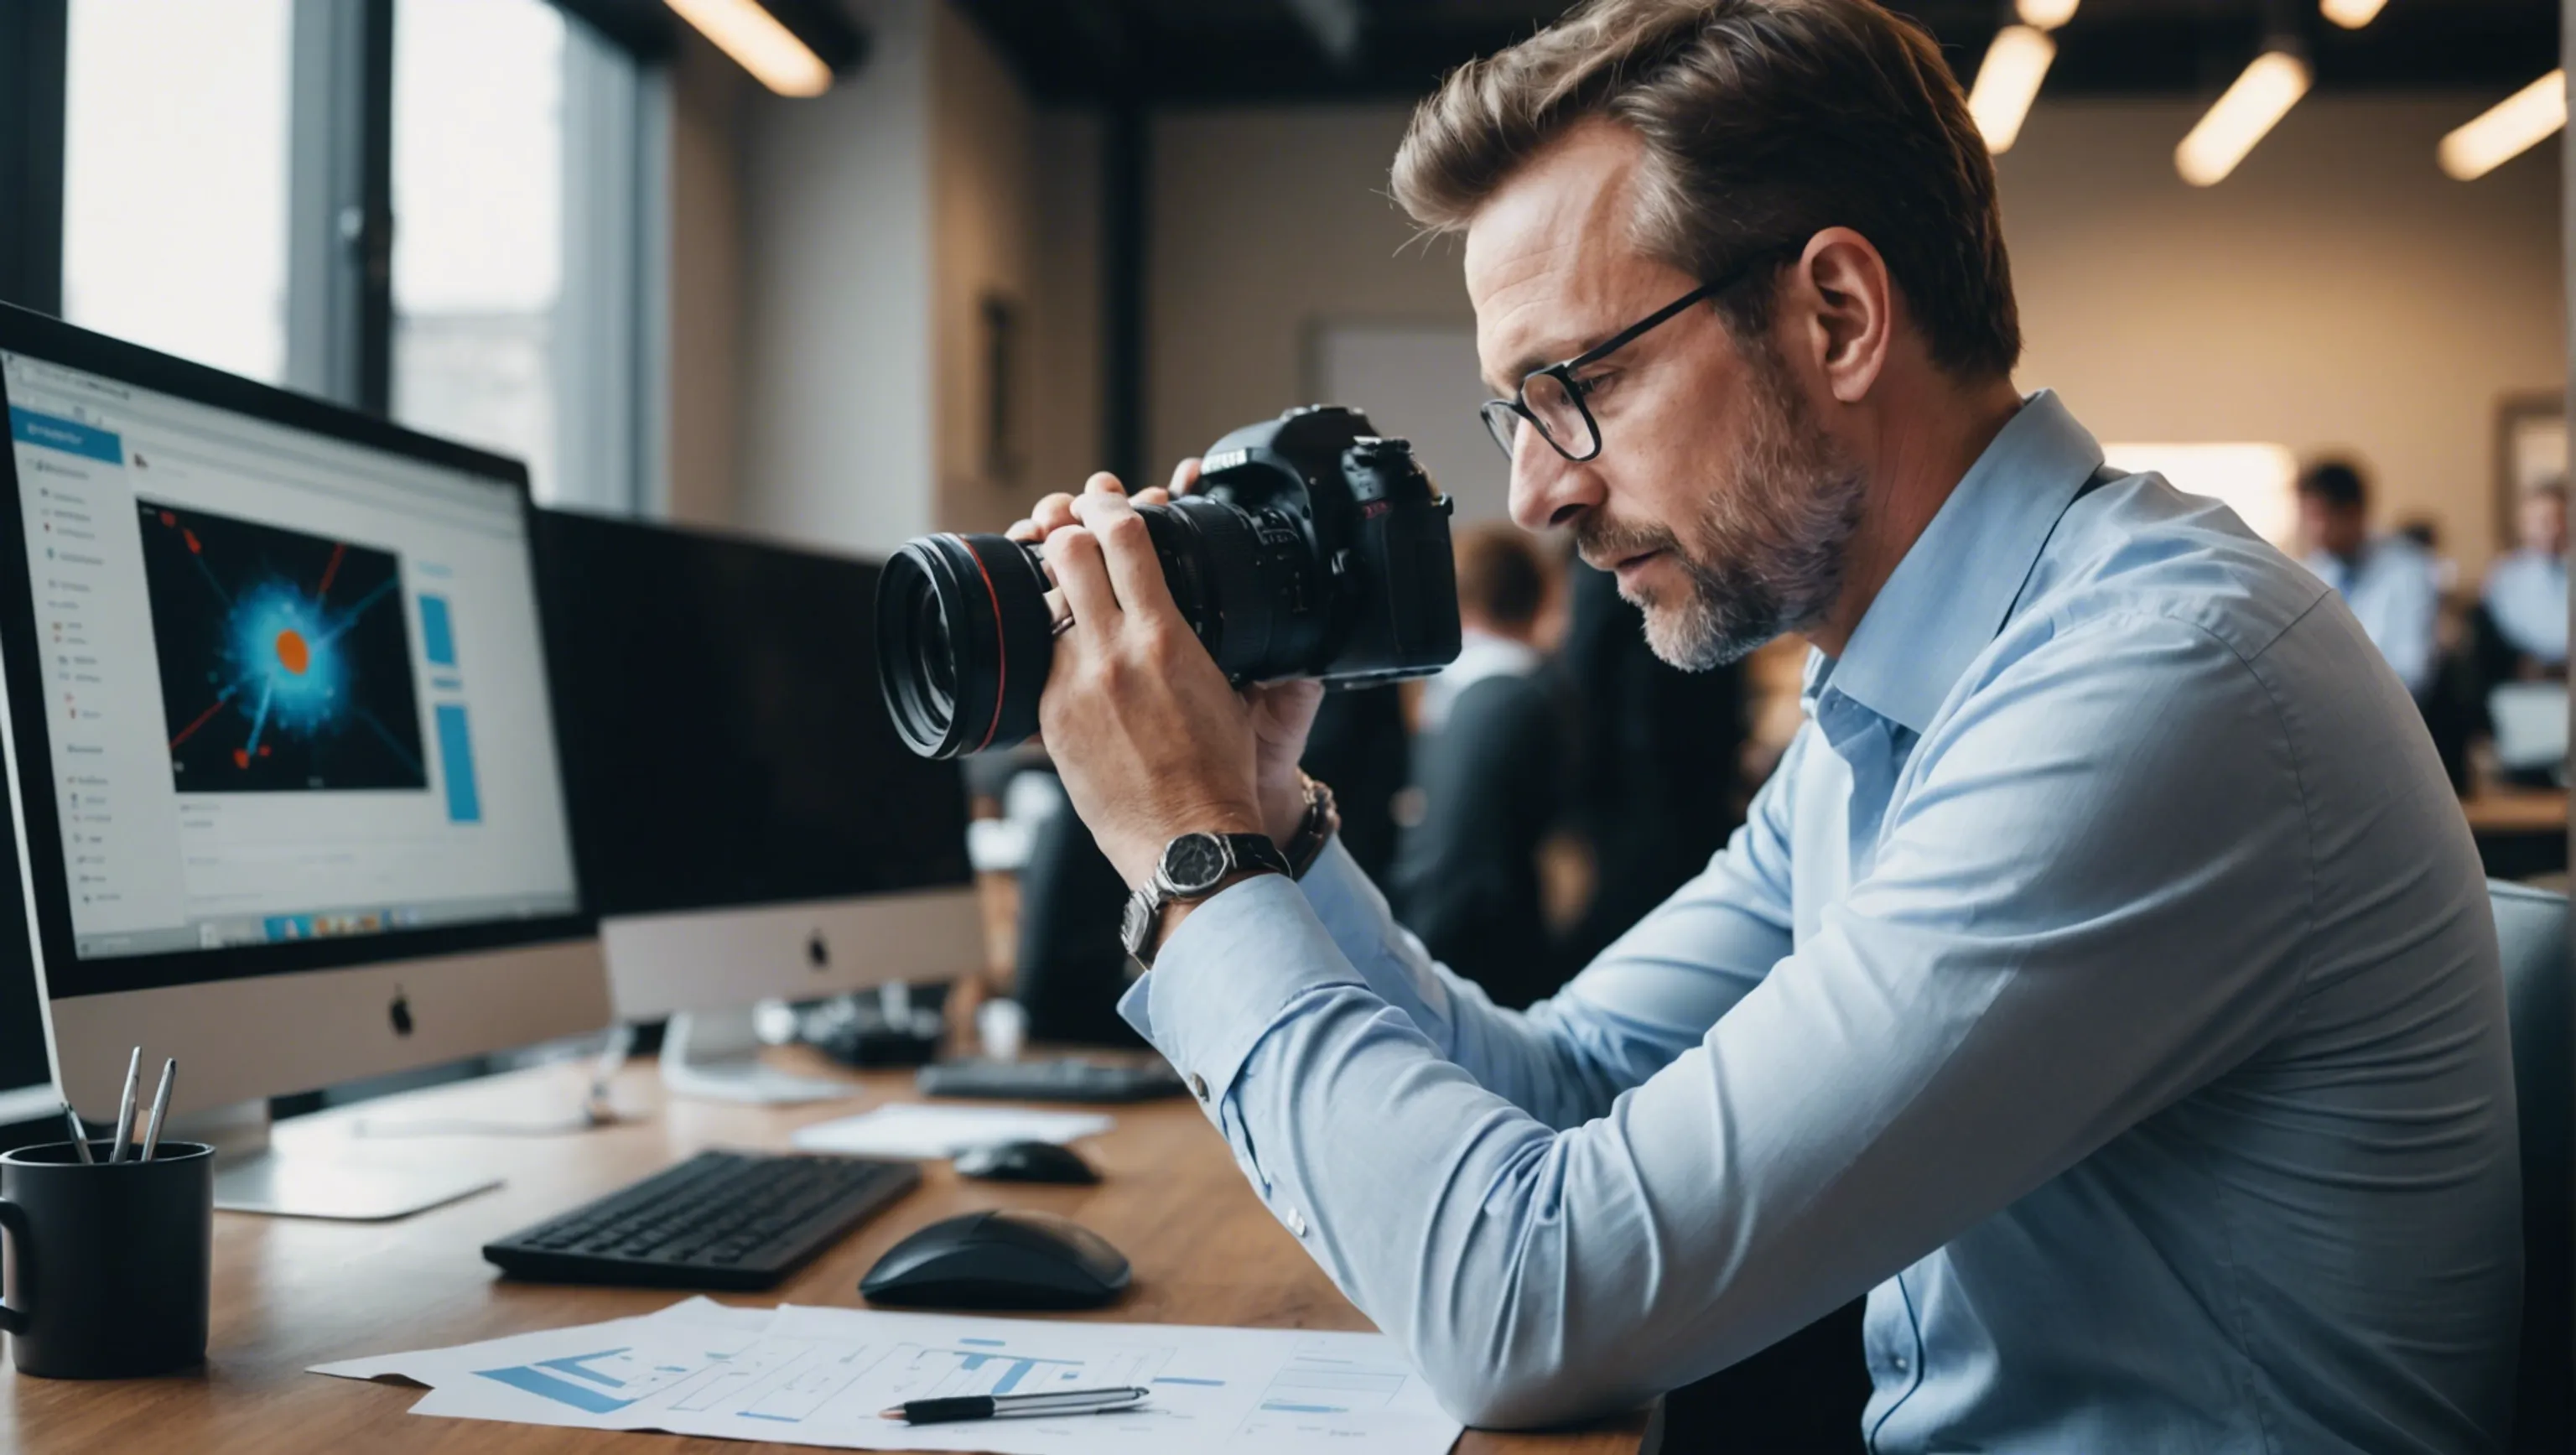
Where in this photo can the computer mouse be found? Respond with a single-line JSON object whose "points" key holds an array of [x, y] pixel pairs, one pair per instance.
{"points": [[1002, 1259], [1026, 1162]]}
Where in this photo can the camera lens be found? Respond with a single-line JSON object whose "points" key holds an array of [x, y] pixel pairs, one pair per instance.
{"points": [[963, 643]]}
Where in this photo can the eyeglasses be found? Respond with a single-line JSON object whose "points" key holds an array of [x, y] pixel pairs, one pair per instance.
{"points": [[1551, 399]]}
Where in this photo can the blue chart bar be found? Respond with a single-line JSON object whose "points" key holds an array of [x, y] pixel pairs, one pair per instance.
{"points": [[456, 765], [29, 427], [437, 633]]}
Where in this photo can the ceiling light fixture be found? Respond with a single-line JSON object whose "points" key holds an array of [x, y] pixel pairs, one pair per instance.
{"points": [[2007, 82], [2511, 127], [759, 44], [2351, 14], [2045, 14], [2252, 106]]}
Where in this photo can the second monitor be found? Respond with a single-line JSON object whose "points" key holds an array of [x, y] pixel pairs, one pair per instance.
{"points": [[747, 823]]}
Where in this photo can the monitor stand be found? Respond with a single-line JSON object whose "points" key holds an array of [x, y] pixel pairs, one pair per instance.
{"points": [[254, 1176], [714, 1055]]}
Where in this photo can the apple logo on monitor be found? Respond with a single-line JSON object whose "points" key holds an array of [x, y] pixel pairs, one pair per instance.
{"points": [[400, 1011], [818, 953]]}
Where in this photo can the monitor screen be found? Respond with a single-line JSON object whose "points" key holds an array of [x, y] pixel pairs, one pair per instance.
{"points": [[723, 735], [287, 684]]}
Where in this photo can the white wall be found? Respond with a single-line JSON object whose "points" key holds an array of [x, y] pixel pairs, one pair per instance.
{"points": [[2338, 292], [836, 380], [1265, 223], [702, 424], [984, 227], [1065, 396]]}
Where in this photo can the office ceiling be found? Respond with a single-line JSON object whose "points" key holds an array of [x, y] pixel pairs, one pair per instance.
{"points": [[1214, 52]]}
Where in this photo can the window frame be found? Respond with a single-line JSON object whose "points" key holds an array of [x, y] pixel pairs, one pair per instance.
{"points": [[342, 229]]}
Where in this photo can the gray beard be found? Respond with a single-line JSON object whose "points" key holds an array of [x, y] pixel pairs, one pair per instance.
{"points": [[1767, 553]]}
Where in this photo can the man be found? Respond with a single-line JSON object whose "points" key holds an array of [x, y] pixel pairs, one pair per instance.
{"points": [[2387, 580], [2526, 593], [1489, 760], [2104, 980]]}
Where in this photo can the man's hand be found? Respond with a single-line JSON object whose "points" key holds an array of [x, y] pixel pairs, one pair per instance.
{"points": [[1281, 713], [1150, 738]]}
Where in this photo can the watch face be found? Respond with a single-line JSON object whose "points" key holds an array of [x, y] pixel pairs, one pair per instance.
{"points": [[1193, 863]]}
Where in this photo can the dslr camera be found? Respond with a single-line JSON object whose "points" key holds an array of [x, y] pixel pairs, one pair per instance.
{"points": [[1311, 548]]}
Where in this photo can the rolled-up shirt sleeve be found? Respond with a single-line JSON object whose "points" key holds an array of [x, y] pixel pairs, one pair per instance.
{"points": [[1972, 1018]]}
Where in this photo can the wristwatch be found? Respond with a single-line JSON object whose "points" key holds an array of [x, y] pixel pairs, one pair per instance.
{"points": [[1192, 866]]}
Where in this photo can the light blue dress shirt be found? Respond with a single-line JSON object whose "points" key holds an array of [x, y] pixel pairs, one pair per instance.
{"points": [[2527, 597], [2393, 592], [2104, 982]]}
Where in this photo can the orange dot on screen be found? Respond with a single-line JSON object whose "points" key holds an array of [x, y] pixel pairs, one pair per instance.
{"points": [[292, 653]]}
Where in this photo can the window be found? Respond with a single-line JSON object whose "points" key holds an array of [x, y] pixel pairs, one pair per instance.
{"points": [[478, 177], [437, 208], [2260, 482], [174, 177]]}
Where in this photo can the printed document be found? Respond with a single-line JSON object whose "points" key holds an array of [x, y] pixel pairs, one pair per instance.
{"points": [[916, 1132], [821, 1376]]}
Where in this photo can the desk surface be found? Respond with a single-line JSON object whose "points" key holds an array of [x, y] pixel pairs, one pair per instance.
{"points": [[290, 1293], [2496, 809]]}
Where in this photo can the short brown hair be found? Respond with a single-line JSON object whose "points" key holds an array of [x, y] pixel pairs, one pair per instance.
{"points": [[1765, 122], [1501, 576]]}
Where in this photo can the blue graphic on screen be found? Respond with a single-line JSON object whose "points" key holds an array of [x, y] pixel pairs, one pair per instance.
{"points": [[456, 764], [71, 437], [437, 634], [285, 660]]}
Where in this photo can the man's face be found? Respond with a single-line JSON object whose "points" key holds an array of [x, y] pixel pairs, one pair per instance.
{"points": [[2337, 530], [1721, 505], [2542, 524]]}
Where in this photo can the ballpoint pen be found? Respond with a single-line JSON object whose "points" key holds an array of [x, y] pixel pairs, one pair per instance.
{"points": [[80, 1134], [125, 1106], [160, 1108], [990, 1406]]}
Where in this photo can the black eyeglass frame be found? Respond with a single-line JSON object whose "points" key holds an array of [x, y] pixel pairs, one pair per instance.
{"points": [[1517, 406]]}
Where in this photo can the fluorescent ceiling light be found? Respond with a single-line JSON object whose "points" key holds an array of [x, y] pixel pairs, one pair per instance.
{"points": [[2045, 14], [2257, 481], [2351, 14], [2518, 123], [2007, 81], [2261, 97], [759, 44]]}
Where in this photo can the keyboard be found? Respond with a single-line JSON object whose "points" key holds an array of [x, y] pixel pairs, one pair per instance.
{"points": [[723, 1220], [1066, 1079]]}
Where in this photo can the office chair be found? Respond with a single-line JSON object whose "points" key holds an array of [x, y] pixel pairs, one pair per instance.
{"points": [[2540, 996]]}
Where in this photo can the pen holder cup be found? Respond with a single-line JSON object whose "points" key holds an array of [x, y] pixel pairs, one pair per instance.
{"points": [[108, 1264]]}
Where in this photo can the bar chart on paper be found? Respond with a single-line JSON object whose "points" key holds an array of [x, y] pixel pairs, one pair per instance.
{"points": [[820, 1376]]}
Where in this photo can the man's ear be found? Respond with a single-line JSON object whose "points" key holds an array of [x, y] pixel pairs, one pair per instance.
{"points": [[1847, 310]]}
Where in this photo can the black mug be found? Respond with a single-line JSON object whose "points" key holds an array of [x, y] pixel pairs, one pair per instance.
{"points": [[108, 1263]]}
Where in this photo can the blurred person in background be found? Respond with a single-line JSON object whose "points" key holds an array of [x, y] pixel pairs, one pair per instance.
{"points": [[2387, 580], [2526, 591], [1658, 783], [1489, 761]]}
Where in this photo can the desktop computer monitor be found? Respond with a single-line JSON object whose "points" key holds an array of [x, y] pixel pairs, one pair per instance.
{"points": [[279, 734], [26, 1078], [749, 825]]}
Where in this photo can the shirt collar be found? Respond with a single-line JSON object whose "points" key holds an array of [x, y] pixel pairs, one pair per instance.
{"points": [[1949, 596]]}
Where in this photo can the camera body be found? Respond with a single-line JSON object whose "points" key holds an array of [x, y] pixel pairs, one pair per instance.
{"points": [[1352, 581], [1311, 548]]}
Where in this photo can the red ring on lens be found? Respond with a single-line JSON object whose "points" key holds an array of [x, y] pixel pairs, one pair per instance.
{"points": [[1001, 648]]}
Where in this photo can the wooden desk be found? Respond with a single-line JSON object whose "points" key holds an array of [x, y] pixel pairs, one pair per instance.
{"points": [[2496, 810], [290, 1293]]}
